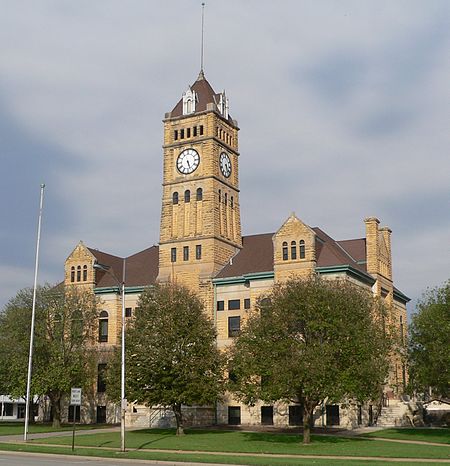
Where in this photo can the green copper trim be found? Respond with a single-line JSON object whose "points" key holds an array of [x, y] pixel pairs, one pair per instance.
{"points": [[349, 270], [116, 289], [399, 296], [243, 278]]}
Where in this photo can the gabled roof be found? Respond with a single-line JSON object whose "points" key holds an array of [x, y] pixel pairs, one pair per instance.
{"points": [[141, 269], [205, 95], [355, 247], [256, 254], [331, 253]]}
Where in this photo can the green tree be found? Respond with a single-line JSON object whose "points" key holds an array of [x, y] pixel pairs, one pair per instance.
{"points": [[172, 358], [429, 343], [311, 340], [63, 353]]}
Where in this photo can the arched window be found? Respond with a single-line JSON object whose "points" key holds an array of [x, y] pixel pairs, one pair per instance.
{"points": [[293, 250], [231, 202], [103, 327], [79, 273], [187, 196], [220, 195], [72, 274], [302, 249], [175, 198], [84, 273], [226, 198], [285, 251], [189, 106], [199, 194]]}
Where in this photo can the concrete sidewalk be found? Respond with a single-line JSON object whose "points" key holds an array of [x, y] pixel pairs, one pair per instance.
{"points": [[62, 433]]}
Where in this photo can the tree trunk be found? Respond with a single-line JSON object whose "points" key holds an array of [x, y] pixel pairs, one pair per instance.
{"points": [[308, 410], [179, 418], [56, 403]]}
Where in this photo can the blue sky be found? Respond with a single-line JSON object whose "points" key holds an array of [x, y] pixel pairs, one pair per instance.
{"points": [[342, 105]]}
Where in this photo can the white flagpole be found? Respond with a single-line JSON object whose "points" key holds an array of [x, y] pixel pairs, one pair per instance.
{"points": [[30, 358]]}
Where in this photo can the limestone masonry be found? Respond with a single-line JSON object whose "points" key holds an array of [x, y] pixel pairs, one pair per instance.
{"points": [[201, 246]]}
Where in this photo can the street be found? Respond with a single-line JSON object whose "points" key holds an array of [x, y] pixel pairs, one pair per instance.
{"points": [[33, 459]]}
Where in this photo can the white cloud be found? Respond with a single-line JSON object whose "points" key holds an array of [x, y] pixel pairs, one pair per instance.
{"points": [[341, 105]]}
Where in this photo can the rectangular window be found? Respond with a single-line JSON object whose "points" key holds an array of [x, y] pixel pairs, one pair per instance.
{"points": [[188, 133], [8, 409], [234, 304], [101, 378], [332, 415], [296, 415], [247, 303], [194, 130], [128, 311], [103, 330], [267, 415], [101, 414], [220, 305], [234, 415], [186, 253], [175, 134], [232, 377], [173, 255], [181, 133], [198, 251], [77, 413], [234, 326], [201, 130]]}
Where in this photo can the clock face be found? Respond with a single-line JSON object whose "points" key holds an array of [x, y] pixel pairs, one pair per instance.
{"points": [[225, 164], [188, 161]]}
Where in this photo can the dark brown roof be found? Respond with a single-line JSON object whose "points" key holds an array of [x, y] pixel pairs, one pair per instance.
{"points": [[205, 94], [331, 253], [256, 254], [355, 247], [141, 269]]}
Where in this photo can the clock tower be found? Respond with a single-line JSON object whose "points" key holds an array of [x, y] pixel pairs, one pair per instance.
{"points": [[200, 215]]}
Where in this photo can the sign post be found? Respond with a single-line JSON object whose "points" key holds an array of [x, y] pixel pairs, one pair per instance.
{"points": [[75, 400]]}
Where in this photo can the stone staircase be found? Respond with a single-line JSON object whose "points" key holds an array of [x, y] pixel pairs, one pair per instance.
{"points": [[394, 415]]}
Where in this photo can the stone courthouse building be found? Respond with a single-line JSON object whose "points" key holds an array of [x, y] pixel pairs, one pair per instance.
{"points": [[201, 245]]}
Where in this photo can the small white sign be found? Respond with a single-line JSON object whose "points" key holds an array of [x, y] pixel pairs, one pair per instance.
{"points": [[75, 396]]}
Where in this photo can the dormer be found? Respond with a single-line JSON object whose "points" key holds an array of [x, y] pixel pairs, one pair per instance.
{"points": [[190, 100], [294, 252], [79, 267], [223, 105]]}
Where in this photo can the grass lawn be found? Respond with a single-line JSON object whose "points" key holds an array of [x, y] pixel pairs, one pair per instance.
{"points": [[197, 457], [420, 434], [254, 442], [17, 428]]}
